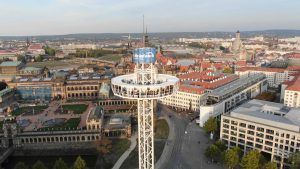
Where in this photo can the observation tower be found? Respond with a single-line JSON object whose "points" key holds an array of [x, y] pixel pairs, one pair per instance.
{"points": [[145, 85]]}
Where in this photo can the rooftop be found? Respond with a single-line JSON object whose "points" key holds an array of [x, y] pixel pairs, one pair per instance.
{"points": [[198, 82], [10, 63], [262, 69], [105, 88], [35, 47], [191, 89], [259, 111], [31, 69], [95, 113], [294, 85], [117, 121], [237, 84]]}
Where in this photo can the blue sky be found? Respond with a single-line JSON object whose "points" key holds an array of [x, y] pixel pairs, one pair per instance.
{"points": [[40, 17]]}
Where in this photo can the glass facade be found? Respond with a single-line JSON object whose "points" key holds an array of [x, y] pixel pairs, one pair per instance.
{"points": [[41, 92]]}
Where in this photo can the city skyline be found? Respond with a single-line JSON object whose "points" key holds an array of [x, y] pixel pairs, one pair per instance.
{"points": [[55, 17]]}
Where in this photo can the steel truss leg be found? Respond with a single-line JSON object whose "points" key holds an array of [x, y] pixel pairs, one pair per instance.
{"points": [[145, 134]]}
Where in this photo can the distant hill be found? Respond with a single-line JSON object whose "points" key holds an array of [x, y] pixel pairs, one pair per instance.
{"points": [[160, 35]]}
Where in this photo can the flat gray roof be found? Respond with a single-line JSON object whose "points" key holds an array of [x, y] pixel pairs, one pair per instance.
{"points": [[256, 111], [230, 87]]}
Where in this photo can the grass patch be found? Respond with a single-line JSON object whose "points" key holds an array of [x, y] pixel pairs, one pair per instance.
{"points": [[132, 161], [161, 133], [70, 124], [161, 129], [49, 64], [76, 108], [119, 146], [112, 57], [29, 110]]}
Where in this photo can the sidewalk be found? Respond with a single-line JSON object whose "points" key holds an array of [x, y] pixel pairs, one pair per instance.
{"points": [[127, 152]]}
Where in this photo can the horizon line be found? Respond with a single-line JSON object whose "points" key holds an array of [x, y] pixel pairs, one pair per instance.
{"points": [[150, 32]]}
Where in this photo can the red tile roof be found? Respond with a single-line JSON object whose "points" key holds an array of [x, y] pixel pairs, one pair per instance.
{"points": [[294, 55], [207, 79], [163, 59], [191, 89], [293, 68], [8, 52], [294, 85], [241, 63], [35, 47]]}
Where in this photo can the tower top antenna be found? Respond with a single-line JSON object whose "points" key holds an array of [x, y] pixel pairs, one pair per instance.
{"points": [[143, 25]]}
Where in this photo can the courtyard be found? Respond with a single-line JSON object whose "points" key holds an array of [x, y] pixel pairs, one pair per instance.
{"points": [[52, 118]]}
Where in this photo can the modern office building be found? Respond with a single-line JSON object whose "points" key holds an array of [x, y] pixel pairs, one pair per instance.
{"points": [[225, 98], [271, 128]]}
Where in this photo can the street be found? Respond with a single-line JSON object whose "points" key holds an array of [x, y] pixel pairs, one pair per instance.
{"points": [[184, 151]]}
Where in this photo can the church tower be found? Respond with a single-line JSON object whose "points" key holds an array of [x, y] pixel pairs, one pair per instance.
{"points": [[146, 39], [237, 44]]}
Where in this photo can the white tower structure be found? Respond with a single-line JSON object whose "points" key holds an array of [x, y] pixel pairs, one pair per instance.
{"points": [[145, 85]]}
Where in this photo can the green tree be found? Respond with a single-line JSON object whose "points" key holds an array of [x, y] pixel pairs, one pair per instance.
{"points": [[227, 70], [3, 85], [39, 58], [221, 145], [39, 165], [21, 165], [79, 163], [266, 96], [212, 152], [60, 164], [211, 125], [21, 58], [195, 45], [231, 158], [49, 51], [251, 160], [295, 160], [270, 165]]}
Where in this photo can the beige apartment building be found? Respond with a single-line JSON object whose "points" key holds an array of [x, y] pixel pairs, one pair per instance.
{"points": [[291, 92]]}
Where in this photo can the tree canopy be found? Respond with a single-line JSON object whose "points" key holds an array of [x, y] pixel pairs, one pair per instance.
{"points": [[79, 163], [251, 160], [211, 125], [266, 96], [39, 165], [295, 160], [231, 158], [60, 164], [21, 165], [212, 152], [227, 70], [3, 85], [270, 165], [49, 51], [221, 145]]}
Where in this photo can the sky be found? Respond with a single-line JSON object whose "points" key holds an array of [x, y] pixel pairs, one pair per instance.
{"points": [[55, 17]]}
